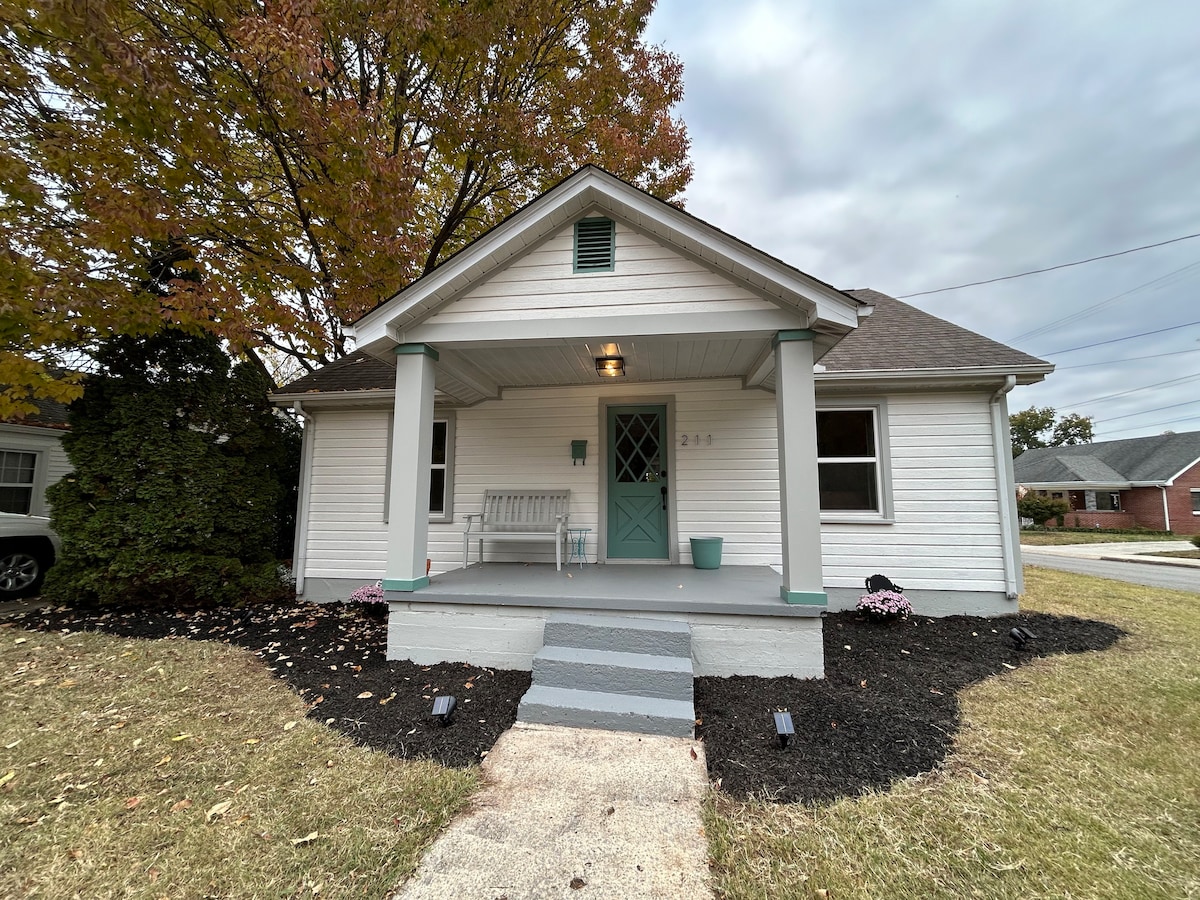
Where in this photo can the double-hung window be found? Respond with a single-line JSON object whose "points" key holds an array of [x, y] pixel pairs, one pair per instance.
{"points": [[17, 469], [851, 463], [441, 470], [1196, 501]]}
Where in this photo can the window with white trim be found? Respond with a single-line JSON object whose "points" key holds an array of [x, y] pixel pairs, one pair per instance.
{"points": [[849, 461], [441, 470], [1196, 501], [17, 470]]}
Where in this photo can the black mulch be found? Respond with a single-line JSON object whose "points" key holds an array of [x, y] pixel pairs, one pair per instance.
{"points": [[887, 708]]}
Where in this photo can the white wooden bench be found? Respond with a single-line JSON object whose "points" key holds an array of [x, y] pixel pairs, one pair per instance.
{"points": [[519, 516]]}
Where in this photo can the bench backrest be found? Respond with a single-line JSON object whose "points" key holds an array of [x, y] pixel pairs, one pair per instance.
{"points": [[524, 510]]}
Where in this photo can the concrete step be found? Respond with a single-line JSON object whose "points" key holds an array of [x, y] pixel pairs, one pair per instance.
{"points": [[614, 672], [601, 709], [659, 637]]}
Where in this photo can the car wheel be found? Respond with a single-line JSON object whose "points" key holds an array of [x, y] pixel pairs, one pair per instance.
{"points": [[21, 572]]}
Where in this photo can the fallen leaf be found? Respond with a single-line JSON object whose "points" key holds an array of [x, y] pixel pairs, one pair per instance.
{"points": [[693, 752], [154, 873], [181, 737], [1007, 666], [252, 741], [75, 854], [7, 777], [577, 883], [20, 640], [182, 805], [307, 839], [365, 695], [132, 802], [288, 726], [218, 809]]}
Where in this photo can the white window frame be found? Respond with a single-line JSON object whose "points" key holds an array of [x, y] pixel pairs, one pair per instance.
{"points": [[1195, 492], [446, 515], [38, 470], [882, 460]]}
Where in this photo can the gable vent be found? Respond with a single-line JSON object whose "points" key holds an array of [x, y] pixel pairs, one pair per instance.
{"points": [[595, 245]]}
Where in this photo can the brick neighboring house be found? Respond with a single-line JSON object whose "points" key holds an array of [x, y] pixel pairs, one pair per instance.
{"points": [[1151, 482]]}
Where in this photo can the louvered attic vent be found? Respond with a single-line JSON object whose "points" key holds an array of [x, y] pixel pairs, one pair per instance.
{"points": [[595, 245]]}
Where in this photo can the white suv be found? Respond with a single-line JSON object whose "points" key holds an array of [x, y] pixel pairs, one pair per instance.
{"points": [[28, 547]]}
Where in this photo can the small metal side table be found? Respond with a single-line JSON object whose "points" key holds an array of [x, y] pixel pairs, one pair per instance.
{"points": [[578, 540]]}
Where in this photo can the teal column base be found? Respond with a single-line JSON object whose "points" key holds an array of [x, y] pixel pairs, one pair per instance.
{"points": [[800, 598], [407, 584]]}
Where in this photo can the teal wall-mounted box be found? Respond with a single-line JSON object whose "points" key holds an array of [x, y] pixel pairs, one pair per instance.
{"points": [[579, 452]]}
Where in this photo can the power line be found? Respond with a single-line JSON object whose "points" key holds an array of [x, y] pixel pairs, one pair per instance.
{"points": [[1118, 340], [1144, 411], [1116, 362], [1078, 262], [1051, 326], [1154, 424], [1135, 390]]}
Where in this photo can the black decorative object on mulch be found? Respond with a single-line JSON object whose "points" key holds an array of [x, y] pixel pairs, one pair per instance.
{"points": [[332, 655], [887, 708]]}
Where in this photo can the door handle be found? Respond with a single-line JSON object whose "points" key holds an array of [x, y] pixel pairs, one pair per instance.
{"points": [[663, 491]]}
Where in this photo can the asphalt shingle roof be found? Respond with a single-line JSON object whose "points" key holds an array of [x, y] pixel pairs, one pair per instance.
{"points": [[356, 372], [50, 414], [1147, 459], [899, 336]]}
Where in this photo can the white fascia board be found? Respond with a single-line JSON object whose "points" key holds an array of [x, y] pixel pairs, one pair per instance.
{"points": [[917, 377], [1170, 482], [39, 431], [337, 398], [592, 187]]}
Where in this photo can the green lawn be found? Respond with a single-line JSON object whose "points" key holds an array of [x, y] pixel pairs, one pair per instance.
{"points": [[1059, 538], [181, 769], [1075, 777]]}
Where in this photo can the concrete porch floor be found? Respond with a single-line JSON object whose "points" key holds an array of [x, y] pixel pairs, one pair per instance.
{"points": [[730, 590]]}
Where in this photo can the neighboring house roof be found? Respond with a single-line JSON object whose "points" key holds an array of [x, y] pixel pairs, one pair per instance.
{"points": [[899, 336], [1155, 460], [50, 414]]}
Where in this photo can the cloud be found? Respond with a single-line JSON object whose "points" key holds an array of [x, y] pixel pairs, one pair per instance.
{"points": [[908, 147]]}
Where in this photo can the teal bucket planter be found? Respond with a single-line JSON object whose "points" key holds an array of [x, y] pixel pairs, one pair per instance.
{"points": [[706, 552]]}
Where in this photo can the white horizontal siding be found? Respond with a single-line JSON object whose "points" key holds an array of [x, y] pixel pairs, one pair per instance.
{"points": [[347, 536], [945, 535], [648, 278]]}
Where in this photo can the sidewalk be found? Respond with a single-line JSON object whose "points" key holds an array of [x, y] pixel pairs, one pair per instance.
{"points": [[576, 813], [1124, 551]]}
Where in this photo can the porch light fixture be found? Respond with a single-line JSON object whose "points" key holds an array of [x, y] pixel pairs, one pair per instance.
{"points": [[784, 728], [443, 708], [610, 366], [1021, 636]]}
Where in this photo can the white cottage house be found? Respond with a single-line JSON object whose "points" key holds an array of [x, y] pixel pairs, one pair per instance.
{"points": [[612, 358]]}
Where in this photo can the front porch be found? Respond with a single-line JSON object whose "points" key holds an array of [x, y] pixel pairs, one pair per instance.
{"points": [[494, 614]]}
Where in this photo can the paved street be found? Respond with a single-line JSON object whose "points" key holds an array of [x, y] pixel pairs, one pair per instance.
{"points": [[1119, 562]]}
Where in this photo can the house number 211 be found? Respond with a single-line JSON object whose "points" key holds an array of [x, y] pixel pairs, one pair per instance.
{"points": [[694, 440]]}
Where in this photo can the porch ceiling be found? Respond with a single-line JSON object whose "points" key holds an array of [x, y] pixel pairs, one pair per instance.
{"points": [[469, 374]]}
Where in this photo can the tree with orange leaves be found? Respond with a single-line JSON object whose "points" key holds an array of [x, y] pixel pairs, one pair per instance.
{"points": [[291, 162]]}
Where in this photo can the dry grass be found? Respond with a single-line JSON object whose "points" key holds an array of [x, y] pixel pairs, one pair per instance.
{"points": [[1073, 777], [1061, 538], [182, 769]]}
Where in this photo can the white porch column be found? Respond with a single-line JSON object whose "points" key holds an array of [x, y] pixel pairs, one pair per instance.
{"points": [[412, 448], [799, 499]]}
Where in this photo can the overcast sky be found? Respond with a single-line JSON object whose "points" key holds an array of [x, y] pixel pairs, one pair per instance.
{"points": [[912, 146]]}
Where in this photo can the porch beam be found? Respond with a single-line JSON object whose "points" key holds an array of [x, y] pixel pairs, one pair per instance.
{"points": [[471, 375], [799, 497], [762, 367], [412, 449]]}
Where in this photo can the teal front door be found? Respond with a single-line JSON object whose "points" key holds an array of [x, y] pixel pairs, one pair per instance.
{"points": [[637, 482]]}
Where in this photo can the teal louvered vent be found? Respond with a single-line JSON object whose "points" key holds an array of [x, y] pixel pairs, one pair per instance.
{"points": [[595, 245]]}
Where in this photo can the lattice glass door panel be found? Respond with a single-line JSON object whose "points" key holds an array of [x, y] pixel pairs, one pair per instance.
{"points": [[637, 483]]}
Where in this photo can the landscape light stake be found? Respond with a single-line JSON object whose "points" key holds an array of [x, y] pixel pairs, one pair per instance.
{"points": [[1022, 636], [443, 708], [784, 728]]}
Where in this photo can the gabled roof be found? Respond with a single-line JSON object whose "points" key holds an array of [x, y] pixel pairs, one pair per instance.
{"points": [[899, 336], [1155, 460], [591, 189], [356, 372]]}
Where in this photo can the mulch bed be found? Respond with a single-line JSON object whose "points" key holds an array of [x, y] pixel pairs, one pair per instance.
{"points": [[886, 709]]}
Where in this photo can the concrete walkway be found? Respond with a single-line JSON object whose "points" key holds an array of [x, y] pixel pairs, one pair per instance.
{"points": [[575, 813], [1123, 551]]}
